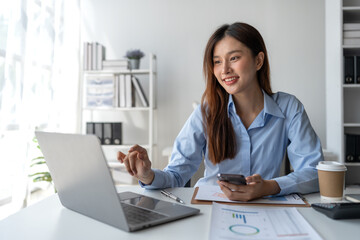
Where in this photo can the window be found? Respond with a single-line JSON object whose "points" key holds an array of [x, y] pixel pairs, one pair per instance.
{"points": [[39, 75]]}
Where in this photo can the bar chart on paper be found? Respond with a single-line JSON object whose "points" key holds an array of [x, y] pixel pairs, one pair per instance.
{"points": [[238, 222]]}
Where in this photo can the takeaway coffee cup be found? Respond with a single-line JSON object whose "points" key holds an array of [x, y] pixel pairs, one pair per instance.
{"points": [[331, 180]]}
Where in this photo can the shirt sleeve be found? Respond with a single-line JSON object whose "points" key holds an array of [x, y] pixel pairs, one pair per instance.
{"points": [[304, 152], [186, 156]]}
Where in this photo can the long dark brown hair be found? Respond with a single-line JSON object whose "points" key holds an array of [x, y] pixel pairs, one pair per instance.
{"points": [[219, 130]]}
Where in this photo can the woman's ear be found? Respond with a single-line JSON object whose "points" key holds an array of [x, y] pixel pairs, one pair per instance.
{"points": [[259, 60]]}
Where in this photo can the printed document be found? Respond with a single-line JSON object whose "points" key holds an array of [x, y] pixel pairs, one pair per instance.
{"points": [[214, 193], [246, 222]]}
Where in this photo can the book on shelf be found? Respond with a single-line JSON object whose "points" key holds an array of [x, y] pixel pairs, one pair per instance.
{"points": [[351, 26], [130, 93], [116, 63], [85, 56], [88, 61], [122, 91], [351, 41], [94, 55], [140, 92], [100, 56], [121, 64], [116, 91]]}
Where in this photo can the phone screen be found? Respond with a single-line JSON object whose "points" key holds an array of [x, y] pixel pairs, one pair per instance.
{"points": [[237, 179]]}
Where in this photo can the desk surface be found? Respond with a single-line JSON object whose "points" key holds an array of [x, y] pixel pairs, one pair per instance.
{"points": [[48, 219]]}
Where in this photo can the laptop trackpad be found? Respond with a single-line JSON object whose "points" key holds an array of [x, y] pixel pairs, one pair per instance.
{"points": [[149, 203]]}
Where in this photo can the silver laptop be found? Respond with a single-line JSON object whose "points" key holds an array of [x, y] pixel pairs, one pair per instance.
{"points": [[84, 184]]}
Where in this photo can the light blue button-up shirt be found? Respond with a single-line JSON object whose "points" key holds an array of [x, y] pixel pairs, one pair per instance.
{"points": [[282, 125]]}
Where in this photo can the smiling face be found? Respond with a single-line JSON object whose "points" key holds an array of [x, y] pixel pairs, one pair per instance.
{"points": [[235, 66]]}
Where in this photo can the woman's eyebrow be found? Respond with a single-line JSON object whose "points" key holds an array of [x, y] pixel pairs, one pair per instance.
{"points": [[231, 52]]}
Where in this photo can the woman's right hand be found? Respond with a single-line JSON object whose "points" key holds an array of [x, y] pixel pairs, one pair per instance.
{"points": [[137, 163]]}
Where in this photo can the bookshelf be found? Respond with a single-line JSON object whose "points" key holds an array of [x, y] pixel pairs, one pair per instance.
{"points": [[343, 94], [138, 121]]}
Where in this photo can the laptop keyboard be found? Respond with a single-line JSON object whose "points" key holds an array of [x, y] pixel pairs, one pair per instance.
{"points": [[136, 215]]}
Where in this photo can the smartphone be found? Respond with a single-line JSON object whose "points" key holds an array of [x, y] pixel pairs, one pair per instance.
{"points": [[232, 178]]}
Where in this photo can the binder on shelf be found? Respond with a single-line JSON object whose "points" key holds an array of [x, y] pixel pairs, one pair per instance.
{"points": [[90, 128], [107, 133], [117, 133], [85, 56], [98, 131], [350, 146], [116, 91], [140, 91], [349, 69], [94, 56], [129, 88], [90, 55], [357, 79], [122, 91], [100, 56], [357, 149]]}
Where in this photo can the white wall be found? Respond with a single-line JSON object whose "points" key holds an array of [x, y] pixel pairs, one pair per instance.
{"points": [[177, 31]]}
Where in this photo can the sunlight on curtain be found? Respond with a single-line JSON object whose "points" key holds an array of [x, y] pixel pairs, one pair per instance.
{"points": [[39, 79]]}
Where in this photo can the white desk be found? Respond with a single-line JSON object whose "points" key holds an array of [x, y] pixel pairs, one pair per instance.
{"points": [[48, 219]]}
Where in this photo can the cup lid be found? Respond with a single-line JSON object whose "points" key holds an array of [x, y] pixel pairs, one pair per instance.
{"points": [[331, 166]]}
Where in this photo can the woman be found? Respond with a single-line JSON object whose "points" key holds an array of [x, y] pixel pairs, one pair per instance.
{"points": [[241, 127]]}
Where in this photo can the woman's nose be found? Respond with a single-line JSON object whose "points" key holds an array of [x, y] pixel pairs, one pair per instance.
{"points": [[226, 68]]}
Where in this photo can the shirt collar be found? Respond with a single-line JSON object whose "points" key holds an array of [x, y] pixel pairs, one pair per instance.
{"points": [[270, 106]]}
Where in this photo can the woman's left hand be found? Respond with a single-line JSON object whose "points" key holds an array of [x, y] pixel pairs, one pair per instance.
{"points": [[256, 187]]}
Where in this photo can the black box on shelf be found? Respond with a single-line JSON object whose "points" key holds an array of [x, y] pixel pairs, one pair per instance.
{"points": [[352, 148], [349, 69], [98, 131], [117, 133], [107, 133]]}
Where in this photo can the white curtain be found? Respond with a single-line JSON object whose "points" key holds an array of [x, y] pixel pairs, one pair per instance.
{"points": [[39, 83]]}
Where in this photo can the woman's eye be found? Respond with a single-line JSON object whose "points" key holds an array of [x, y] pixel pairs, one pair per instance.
{"points": [[234, 58], [217, 62]]}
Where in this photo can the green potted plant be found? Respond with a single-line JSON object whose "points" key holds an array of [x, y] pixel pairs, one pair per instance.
{"points": [[134, 57], [43, 175]]}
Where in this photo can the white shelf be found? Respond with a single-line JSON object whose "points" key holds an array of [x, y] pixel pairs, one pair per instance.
{"points": [[138, 122], [351, 9], [111, 72], [116, 108], [352, 85], [352, 164], [351, 46], [342, 100], [352, 125]]}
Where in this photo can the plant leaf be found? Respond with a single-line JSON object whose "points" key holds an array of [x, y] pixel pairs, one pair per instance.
{"points": [[40, 179], [38, 163], [40, 173], [41, 157]]}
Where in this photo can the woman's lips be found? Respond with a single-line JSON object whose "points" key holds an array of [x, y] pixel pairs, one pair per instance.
{"points": [[230, 80]]}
